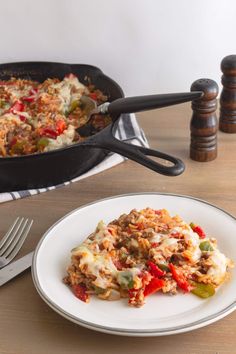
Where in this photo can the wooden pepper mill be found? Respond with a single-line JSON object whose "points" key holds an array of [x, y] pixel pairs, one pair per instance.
{"points": [[203, 124], [228, 95]]}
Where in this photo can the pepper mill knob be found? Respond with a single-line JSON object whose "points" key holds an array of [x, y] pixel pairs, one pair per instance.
{"points": [[228, 95], [203, 126]]}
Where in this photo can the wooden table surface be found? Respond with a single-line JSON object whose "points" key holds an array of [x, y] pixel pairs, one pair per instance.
{"points": [[28, 325]]}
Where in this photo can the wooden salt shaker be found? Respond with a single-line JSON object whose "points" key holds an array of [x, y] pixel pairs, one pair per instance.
{"points": [[228, 95], [203, 124]]}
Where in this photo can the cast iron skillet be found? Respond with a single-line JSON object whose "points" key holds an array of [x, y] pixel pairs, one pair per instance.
{"points": [[54, 167]]}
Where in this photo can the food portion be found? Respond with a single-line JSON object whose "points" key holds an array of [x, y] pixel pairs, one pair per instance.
{"points": [[37, 117], [145, 252]]}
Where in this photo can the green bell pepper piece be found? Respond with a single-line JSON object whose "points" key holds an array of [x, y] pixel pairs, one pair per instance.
{"points": [[202, 290], [125, 279], [163, 267], [206, 246], [42, 143]]}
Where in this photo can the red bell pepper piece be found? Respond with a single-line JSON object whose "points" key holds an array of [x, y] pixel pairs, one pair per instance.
{"points": [[18, 106], [154, 285], [155, 270], [198, 230], [53, 133], [49, 132], [180, 279], [158, 212], [94, 96], [60, 126], [32, 96], [80, 292], [154, 244], [22, 118], [33, 91]]}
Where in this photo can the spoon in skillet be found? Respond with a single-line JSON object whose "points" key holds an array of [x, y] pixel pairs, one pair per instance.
{"points": [[131, 105]]}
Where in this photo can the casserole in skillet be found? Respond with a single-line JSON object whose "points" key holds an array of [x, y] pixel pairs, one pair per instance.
{"points": [[49, 168]]}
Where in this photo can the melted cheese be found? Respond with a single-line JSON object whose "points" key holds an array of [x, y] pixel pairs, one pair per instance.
{"points": [[66, 138], [97, 264], [192, 238], [219, 264], [167, 242], [190, 235], [10, 117], [73, 81], [65, 96], [157, 237], [103, 236], [196, 254], [65, 91], [16, 93]]}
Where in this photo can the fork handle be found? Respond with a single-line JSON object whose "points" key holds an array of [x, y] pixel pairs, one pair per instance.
{"points": [[15, 268]]}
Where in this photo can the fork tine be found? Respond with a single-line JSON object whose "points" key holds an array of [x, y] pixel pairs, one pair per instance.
{"points": [[12, 252], [10, 235], [14, 238], [5, 237]]}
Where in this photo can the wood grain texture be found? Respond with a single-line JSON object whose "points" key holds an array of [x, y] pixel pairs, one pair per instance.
{"points": [[28, 325]]}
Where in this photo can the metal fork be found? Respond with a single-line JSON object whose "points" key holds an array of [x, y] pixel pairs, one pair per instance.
{"points": [[13, 240]]}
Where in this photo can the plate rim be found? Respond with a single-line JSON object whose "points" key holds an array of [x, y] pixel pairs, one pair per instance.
{"points": [[117, 330]]}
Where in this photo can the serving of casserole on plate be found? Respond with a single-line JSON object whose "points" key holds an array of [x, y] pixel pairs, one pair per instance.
{"points": [[162, 314], [143, 252]]}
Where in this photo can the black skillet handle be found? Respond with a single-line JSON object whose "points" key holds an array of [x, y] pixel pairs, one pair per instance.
{"points": [[142, 103], [138, 154]]}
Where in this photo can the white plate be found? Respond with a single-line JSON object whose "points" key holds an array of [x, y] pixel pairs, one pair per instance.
{"points": [[162, 314]]}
